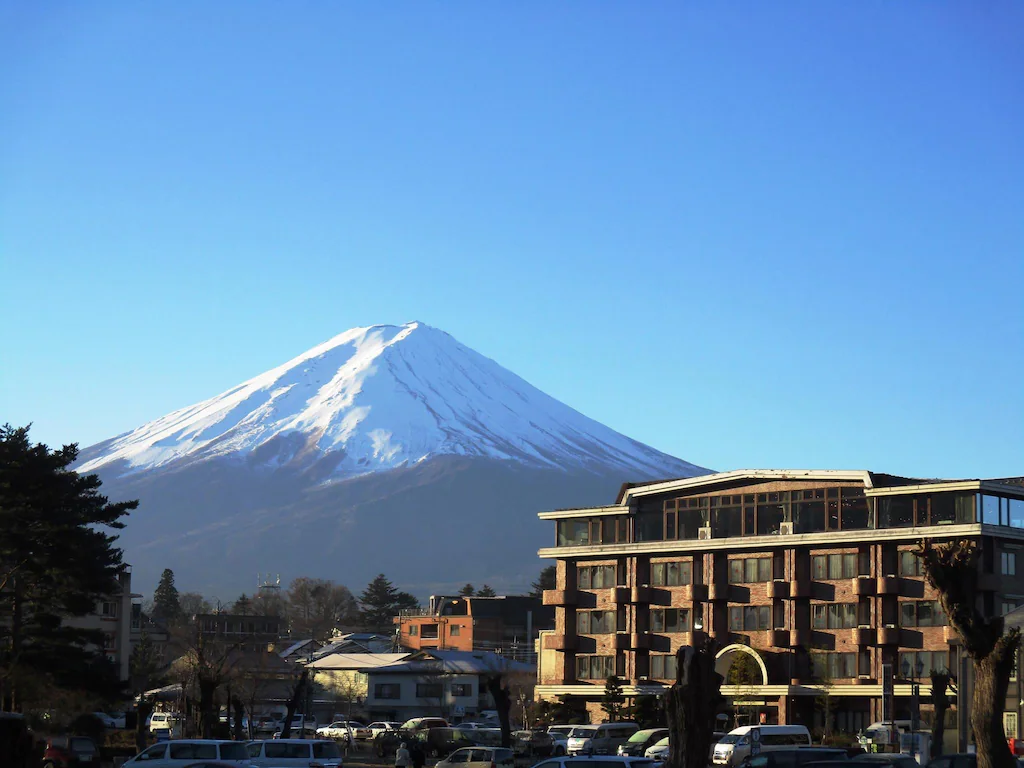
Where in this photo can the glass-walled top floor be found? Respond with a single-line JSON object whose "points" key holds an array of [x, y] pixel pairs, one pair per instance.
{"points": [[816, 510]]}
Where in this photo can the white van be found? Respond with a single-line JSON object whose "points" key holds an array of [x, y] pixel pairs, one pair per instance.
{"points": [[603, 739], [295, 753], [175, 754], [735, 745], [167, 720]]}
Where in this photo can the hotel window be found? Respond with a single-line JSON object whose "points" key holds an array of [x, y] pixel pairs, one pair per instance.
{"points": [[670, 620], [413, 630], [834, 616], [1008, 605], [834, 665], [809, 511], [429, 632], [1015, 512], [573, 533], [922, 613], [856, 513], [663, 667], [595, 622], [750, 570], [834, 567], [896, 512], [726, 516], [772, 511], [594, 667], [675, 574], [1008, 563], [910, 564], [685, 517], [108, 609], [455, 630], [596, 577], [931, 661], [990, 510], [953, 508], [749, 618]]}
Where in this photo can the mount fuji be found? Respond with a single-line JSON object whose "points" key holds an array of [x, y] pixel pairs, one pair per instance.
{"points": [[391, 449]]}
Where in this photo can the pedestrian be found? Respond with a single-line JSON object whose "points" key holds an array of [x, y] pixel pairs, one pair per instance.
{"points": [[402, 759], [418, 756]]}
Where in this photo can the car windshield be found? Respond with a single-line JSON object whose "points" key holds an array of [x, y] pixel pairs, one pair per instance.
{"points": [[582, 733], [640, 736], [662, 742], [236, 751], [730, 738]]}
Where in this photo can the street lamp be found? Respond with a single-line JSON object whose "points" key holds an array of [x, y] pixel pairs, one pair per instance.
{"points": [[915, 690]]}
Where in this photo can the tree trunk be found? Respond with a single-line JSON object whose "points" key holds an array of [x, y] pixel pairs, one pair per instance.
{"points": [[236, 704], [692, 703], [207, 715], [940, 703], [503, 704], [293, 702], [991, 679]]}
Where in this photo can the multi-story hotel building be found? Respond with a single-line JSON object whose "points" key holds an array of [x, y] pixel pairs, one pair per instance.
{"points": [[809, 574]]}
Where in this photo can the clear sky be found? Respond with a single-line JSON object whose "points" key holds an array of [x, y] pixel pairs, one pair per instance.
{"points": [[748, 234]]}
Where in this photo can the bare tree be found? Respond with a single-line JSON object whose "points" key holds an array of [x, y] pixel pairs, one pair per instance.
{"points": [[952, 569], [692, 703], [940, 703], [293, 702], [208, 663]]}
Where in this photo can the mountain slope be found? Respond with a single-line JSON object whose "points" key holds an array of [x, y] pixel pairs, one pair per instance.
{"points": [[390, 449]]}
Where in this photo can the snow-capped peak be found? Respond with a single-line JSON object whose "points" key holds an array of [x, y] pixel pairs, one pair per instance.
{"points": [[378, 398]]}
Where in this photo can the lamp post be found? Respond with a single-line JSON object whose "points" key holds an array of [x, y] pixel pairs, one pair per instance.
{"points": [[915, 691]]}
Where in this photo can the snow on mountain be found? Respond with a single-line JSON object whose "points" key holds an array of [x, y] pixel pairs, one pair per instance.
{"points": [[379, 398]]}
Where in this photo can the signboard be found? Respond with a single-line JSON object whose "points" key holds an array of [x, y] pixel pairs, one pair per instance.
{"points": [[459, 710], [755, 741]]}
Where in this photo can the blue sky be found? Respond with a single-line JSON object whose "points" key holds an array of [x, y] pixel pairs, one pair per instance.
{"points": [[751, 235]]}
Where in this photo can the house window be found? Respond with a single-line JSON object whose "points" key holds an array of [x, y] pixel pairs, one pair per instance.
{"points": [[413, 630], [833, 567], [750, 570], [1008, 563], [910, 564], [674, 574], [834, 616], [596, 577], [387, 691], [108, 609], [455, 630], [922, 613], [663, 667], [594, 667], [749, 618], [429, 690], [429, 631], [1008, 605], [670, 620], [461, 690]]}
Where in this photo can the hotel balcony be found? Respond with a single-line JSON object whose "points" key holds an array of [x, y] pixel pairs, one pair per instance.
{"points": [[778, 590], [689, 638], [888, 585], [718, 591], [640, 641], [778, 638], [950, 636], [888, 635], [560, 642], [862, 636], [621, 595], [800, 587], [621, 641], [695, 592], [641, 595], [863, 586], [560, 597], [799, 637]]}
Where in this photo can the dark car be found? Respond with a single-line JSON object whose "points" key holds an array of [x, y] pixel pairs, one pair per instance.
{"points": [[441, 742], [386, 742], [886, 759], [71, 752], [641, 740], [532, 743], [959, 760], [797, 757]]}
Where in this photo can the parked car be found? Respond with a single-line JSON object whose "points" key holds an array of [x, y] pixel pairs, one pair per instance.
{"points": [[71, 752], [958, 760], [884, 759], [423, 723], [441, 742], [386, 743], [344, 729], [484, 737], [659, 751], [479, 757], [603, 739], [533, 743], [166, 720], [596, 761], [183, 752], [378, 727], [735, 745], [294, 753], [795, 757], [108, 722], [638, 743]]}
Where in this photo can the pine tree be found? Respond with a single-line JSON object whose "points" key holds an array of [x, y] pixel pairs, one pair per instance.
{"points": [[467, 591], [486, 591], [166, 601], [56, 561], [613, 697], [381, 602], [546, 580]]}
